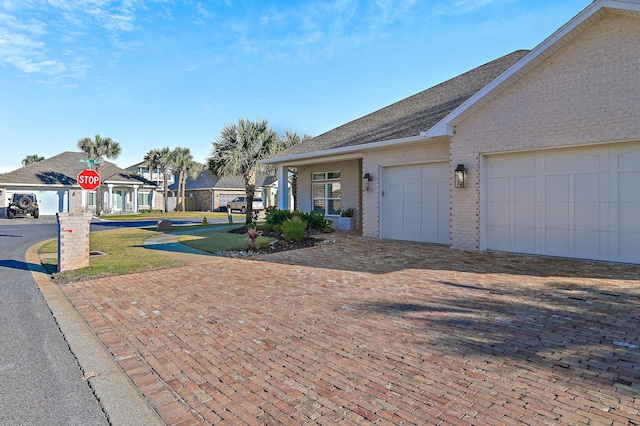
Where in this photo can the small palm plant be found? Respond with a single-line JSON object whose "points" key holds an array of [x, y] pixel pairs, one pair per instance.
{"points": [[253, 235]]}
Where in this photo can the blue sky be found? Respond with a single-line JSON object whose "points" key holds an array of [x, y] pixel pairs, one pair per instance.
{"points": [[154, 73]]}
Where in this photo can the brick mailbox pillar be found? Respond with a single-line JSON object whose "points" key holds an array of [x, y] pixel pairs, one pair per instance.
{"points": [[73, 240]]}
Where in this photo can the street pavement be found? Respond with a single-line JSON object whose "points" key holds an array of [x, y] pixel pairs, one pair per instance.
{"points": [[40, 381]]}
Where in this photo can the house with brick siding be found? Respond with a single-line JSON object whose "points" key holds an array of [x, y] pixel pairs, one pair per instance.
{"points": [[547, 140], [212, 193]]}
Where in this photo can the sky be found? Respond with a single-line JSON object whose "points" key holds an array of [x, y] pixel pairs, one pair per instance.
{"points": [[156, 73]]}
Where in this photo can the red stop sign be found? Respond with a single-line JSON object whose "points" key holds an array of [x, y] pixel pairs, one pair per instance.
{"points": [[88, 179]]}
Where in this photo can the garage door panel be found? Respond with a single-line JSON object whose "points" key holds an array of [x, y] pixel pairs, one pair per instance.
{"points": [[557, 188], [587, 216], [557, 215], [525, 189], [629, 247], [499, 214], [522, 165], [572, 163], [525, 239], [586, 203], [525, 215], [629, 184], [629, 217], [629, 159], [587, 187], [429, 191], [500, 190]]}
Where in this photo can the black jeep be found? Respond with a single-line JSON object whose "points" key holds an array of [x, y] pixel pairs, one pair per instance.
{"points": [[23, 203]]}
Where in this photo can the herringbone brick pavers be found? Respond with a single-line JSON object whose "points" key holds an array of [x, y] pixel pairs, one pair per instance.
{"points": [[365, 331]]}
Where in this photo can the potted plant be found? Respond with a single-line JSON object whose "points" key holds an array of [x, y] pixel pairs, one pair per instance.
{"points": [[347, 221]]}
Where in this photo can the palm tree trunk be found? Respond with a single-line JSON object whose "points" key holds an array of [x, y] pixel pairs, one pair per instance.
{"points": [[184, 191], [166, 191], [250, 189]]}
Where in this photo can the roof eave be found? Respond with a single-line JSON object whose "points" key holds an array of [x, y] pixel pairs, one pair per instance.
{"points": [[568, 31], [345, 153]]}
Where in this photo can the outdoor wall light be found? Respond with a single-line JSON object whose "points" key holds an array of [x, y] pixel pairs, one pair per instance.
{"points": [[366, 181], [460, 176]]}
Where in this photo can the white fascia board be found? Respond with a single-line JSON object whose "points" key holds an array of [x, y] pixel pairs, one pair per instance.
{"points": [[345, 153], [35, 185], [552, 43]]}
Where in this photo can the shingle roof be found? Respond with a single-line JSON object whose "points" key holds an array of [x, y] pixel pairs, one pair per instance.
{"points": [[409, 116], [63, 169], [206, 180]]}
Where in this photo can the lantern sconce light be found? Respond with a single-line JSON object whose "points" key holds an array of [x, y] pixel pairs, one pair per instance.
{"points": [[366, 181], [460, 176]]}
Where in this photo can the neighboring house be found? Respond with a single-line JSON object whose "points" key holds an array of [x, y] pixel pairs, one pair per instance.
{"points": [[142, 169], [54, 182], [550, 140], [213, 193]]}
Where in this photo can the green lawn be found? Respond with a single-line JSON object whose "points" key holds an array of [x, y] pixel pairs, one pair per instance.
{"points": [[125, 255]]}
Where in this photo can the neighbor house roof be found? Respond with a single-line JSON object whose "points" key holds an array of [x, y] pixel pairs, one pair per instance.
{"points": [[63, 169], [410, 116], [206, 180]]}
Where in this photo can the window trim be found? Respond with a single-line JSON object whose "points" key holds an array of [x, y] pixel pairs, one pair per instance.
{"points": [[325, 181]]}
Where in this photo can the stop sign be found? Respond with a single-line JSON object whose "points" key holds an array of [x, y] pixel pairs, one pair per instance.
{"points": [[88, 179]]}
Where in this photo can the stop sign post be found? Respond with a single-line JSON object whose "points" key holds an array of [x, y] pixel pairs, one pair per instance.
{"points": [[88, 179]]}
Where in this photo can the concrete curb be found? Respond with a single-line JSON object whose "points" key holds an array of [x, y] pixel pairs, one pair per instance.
{"points": [[119, 398]]}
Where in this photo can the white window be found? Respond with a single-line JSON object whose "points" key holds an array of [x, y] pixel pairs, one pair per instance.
{"points": [[327, 193], [143, 199]]}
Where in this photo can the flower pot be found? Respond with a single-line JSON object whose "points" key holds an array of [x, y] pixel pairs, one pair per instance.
{"points": [[347, 223]]}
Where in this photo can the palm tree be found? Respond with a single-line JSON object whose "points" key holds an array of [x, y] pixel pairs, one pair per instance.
{"points": [[30, 159], [98, 149], [192, 171], [163, 161], [181, 157], [237, 151], [151, 159]]}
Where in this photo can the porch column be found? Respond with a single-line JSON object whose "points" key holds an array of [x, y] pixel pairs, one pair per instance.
{"points": [[85, 208], [283, 188], [135, 198], [110, 206]]}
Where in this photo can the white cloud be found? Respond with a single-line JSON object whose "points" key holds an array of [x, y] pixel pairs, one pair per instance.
{"points": [[48, 36]]}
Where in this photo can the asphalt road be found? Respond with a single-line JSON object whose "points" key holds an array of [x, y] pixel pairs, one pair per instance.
{"points": [[40, 381]]}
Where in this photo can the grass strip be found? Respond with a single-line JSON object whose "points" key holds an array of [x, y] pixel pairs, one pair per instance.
{"points": [[125, 254]]}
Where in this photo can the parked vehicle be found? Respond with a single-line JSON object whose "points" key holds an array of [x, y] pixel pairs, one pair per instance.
{"points": [[23, 203], [240, 203]]}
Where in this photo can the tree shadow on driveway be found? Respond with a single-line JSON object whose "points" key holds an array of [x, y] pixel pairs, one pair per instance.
{"points": [[588, 333]]}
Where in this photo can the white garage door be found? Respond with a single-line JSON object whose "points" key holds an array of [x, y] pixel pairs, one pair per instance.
{"points": [[582, 203], [52, 202], [415, 203]]}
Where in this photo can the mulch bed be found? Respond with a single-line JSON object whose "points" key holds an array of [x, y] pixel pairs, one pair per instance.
{"points": [[279, 244]]}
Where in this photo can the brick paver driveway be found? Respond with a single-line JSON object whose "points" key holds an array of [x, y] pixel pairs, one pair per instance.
{"points": [[366, 331]]}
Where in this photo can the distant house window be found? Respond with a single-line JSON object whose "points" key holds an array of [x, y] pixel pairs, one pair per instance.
{"points": [[143, 199], [92, 199], [327, 193]]}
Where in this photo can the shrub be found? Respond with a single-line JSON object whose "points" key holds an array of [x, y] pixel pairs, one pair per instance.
{"points": [[273, 216], [294, 229], [317, 222]]}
